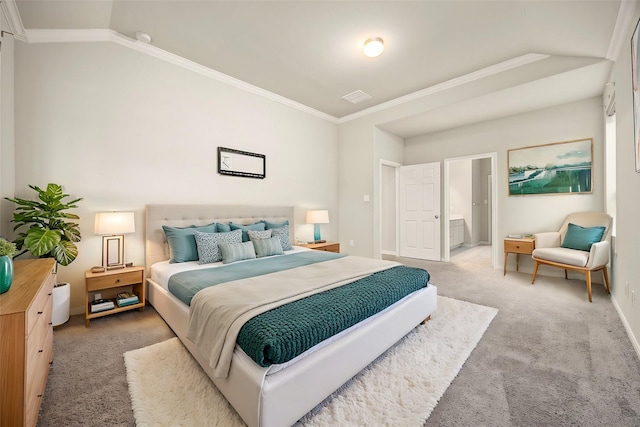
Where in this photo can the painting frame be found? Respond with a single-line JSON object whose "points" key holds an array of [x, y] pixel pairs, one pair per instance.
{"points": [[556, 168], [635, 83]]}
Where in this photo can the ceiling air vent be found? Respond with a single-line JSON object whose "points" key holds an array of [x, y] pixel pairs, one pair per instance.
{"points": [[357, 97]]}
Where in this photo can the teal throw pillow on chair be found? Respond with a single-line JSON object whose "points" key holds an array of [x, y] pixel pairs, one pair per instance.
{"points": [[582, 238]]}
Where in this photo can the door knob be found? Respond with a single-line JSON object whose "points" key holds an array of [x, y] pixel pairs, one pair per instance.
{"points": [[437, 216]]}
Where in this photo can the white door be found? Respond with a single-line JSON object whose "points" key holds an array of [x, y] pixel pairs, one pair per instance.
{"points": [[420, 211]]}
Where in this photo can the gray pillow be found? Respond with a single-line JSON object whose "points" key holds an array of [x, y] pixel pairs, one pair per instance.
{"points": [[232, 252], [283, 234], [259, 235], [208, 244], [267, 247]]}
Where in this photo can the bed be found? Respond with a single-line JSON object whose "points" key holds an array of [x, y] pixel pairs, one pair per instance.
{"points": [[280, 395]]}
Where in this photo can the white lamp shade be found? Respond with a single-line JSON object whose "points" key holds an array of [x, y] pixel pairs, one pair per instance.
{"points": [[108, 223], [317, 217]]}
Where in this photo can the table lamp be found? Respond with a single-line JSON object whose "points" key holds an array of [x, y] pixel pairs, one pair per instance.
{"points": [[317, 218], [113, 226]]}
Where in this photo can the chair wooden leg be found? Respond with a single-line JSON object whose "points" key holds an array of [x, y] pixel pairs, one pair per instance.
{"points": [[535, 271], [588, 274], [606, 279]]}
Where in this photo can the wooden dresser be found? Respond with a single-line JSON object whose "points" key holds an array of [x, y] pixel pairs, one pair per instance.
{"points": [[26, 341]]}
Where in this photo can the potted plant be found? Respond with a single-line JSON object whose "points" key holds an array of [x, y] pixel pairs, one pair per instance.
{"points": [[50, 233], [7, 251]]}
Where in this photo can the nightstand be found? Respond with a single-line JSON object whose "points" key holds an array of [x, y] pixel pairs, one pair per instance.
{"points": [[525, 245], [326, 246], [109, 284]]}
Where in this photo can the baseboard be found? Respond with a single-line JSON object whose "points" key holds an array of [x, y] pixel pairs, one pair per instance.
{"points": [[392, 253], [627, 327]]}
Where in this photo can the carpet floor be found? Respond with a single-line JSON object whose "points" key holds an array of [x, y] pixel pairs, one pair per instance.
{"points": [[549, 358], [401, 387]]}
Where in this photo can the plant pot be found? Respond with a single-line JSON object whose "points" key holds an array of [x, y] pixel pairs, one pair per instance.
{"points": [[61, 299], [6, 273]]}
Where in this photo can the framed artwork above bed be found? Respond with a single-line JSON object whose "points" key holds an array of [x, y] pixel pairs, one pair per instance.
{"points": [[241, 163]]}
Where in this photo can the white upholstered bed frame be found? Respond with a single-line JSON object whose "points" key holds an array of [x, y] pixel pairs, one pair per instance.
{"points": [[281, 398]]}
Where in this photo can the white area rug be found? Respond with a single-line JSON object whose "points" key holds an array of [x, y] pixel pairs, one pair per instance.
{"points": [[168, 387]]}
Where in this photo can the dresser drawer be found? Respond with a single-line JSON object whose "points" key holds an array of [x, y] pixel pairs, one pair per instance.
{"points": [[37, 373], [518, 246], [43, 299], [111, 281], [39, 350]]}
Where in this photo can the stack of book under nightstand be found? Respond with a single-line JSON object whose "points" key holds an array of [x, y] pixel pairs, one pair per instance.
{"points": [[126, 298]]}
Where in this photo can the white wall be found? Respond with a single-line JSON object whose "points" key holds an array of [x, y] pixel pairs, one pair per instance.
{"points": [[627, 247], [122, 129], [524, 214], [7, 152]]}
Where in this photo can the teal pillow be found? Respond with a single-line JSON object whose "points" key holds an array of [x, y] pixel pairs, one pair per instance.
{"points": [[267, 247], [258, 226], [270, 225], [232, 252], [182, 243], [582, 238], [223, 228]]}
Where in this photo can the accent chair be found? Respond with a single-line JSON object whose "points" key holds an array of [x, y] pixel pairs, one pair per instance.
{"points": [[582, 244]]}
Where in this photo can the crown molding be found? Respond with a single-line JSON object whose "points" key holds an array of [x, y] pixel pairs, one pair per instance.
{"points": [[626, 13], [10, 10], [449, 84]]}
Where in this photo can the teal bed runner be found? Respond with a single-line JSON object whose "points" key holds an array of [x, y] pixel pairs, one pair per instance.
{"points": [[285, 332]]}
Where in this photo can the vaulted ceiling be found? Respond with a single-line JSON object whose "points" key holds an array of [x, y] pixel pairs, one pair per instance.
{"points": [[517, 55]]}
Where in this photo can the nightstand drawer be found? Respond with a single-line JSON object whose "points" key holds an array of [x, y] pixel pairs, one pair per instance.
{"points": [[330, 248], [111, 281], [518, 246]]}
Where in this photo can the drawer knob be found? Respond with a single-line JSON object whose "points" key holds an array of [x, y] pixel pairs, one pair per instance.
{"points": [[40, 312], [41, 351], [50, 323], [40, 395], [50, 293], [117, 280]]}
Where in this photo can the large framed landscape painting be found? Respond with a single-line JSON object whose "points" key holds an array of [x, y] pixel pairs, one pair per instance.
{"points": [[556, 168]]}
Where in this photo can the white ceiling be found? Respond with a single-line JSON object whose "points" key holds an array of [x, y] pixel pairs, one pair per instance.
{"points": [[441, 53]]}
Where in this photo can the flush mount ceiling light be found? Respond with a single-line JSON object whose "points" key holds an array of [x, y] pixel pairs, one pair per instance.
{"points": [[373, 47]]}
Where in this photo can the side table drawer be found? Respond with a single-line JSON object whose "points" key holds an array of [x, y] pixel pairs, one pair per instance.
{"points": [[111, 281], [518, 247]]}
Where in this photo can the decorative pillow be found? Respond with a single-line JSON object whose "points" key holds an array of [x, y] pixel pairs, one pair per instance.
{"points": [[267, 247], [232, 252], [259, 235], [258, 226], [223, 228], [208, 244], [582, 238], [270, 225], [283, 234], [182, 244]]}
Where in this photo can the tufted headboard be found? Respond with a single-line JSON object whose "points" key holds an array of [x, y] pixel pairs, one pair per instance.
{"points": [[185, 215]]}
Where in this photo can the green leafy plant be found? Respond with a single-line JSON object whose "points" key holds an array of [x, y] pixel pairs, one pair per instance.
{"points": [[50, 234], [7, 248]]}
